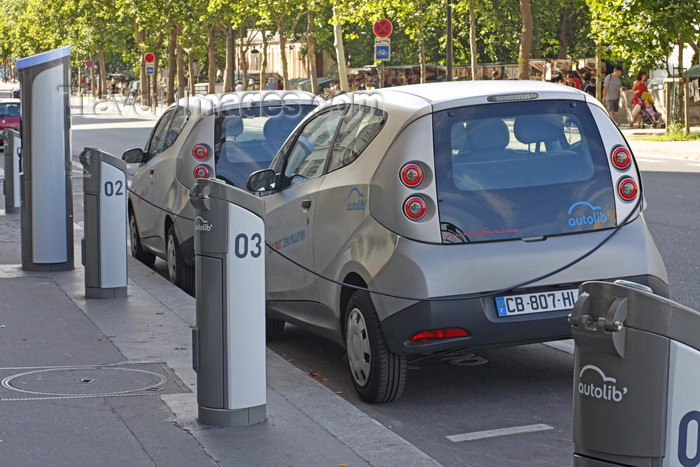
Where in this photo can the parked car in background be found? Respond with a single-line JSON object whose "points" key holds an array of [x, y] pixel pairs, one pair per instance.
{"points": [[447, 216], [9, 117], [226, 137]]}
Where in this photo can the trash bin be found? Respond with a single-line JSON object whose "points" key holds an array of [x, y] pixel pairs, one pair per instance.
{"points": [[636, 378], [103, 246], [228, 341], [11, 186]]}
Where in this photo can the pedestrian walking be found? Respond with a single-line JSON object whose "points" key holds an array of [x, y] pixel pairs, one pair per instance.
{"points": [[611, 91]]}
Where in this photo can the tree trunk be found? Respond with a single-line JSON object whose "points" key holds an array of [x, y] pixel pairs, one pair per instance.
{"points": [[172, 66], [263, 62], [243, 58], [180, 59], [143, 77], [525, 40], [421, 45], [567, 18], [311, 52], [211, 59], [283, 53], [230, 69], [103, 72], [340, 53], [472, 39]]}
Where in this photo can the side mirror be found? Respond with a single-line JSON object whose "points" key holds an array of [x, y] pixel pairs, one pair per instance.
{"points": [[262, 180], [134, 156]]}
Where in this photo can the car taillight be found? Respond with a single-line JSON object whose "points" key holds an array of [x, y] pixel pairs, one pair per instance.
{"points": [[201, 171], [200, 152], [621, 157], [627, 188], [414, 208], [411, 175], [436, 334]]}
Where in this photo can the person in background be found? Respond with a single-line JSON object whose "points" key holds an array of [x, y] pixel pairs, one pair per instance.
{"points": [[573, 80], [638, 88], [270, 85], [239, 86], [495, 75], [611, 91]]}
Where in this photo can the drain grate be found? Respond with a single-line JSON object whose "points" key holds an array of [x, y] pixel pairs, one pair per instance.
{"points": [[77, 382]]}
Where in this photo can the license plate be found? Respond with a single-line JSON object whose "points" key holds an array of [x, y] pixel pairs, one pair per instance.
{"points": [[539, 302]]}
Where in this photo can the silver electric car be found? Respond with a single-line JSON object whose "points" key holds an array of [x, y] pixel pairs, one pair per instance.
{"points": [[242, 130], [427, 218]]}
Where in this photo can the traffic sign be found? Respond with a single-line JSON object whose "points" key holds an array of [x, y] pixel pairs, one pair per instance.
{"points": [[150, 69], [89, 64], [382, 52], [383, 28], [149, 57]]}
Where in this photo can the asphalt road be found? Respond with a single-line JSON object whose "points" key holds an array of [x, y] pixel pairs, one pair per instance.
{"points": [[523, 391]]}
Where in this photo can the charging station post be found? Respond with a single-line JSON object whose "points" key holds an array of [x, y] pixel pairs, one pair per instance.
{"points": [[47, 195], [228, 341]]}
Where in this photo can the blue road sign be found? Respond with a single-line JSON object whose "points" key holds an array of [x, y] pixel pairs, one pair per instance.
{"points": [[150, 69], [382, 52]]}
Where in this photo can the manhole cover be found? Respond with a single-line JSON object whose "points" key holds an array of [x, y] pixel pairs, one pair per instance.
{"points": [[93, 381]]}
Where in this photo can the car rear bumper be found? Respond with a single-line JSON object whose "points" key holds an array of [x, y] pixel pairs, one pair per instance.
{"points": [[479, 318]]}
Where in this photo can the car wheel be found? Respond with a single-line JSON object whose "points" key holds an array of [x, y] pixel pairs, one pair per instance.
{"points": [[137, 250], [273, 328], [179, 273], [378, 374]]}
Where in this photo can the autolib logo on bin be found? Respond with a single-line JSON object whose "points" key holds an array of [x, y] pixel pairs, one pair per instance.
{"points": [[202, 224], [606, 390]]}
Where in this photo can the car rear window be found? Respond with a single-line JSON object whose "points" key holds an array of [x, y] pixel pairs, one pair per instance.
{"points": [[519, 170], [9, 110]]}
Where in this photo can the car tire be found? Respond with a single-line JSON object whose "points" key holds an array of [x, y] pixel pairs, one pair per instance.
{"points": [[273, 328], [179, 273], [137, 250], [378, 374]]}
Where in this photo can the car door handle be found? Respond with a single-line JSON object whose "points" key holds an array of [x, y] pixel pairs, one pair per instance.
{"points": [[151, 171], [306, 204]]}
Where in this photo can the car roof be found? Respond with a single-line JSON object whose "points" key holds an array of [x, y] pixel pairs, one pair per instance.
{"points": [[9, 100], [451, 94]]}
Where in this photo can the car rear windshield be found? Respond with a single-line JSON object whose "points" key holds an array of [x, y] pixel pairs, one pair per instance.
{"points": [[520, 170], [247, 138]]}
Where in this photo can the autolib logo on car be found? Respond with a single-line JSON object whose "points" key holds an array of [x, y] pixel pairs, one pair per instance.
{"points": [[596, 216], [202, 224], [355, 202], [606, 390]]}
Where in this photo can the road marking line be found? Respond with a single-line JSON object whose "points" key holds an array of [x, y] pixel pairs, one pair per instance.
{"points": [[498, 432], [565, 345]]}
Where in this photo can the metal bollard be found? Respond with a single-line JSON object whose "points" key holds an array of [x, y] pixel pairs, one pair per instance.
{"points": [[636, 376], [12, 150], [228, 341], [104, 252]]}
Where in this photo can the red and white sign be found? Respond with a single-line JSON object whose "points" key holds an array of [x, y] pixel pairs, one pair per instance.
{"points": [[383, 28], [149, 57], [89, 64]]}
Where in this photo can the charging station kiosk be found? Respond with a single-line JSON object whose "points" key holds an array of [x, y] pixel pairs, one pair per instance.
{"points": [[47, 200], [12, 149], [103, 246], [636, 378], [228, 341]]}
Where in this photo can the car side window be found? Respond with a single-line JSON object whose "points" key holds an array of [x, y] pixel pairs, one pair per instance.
{"points": [[358, 128], [156, 143], [307, 157], [177, 123]]}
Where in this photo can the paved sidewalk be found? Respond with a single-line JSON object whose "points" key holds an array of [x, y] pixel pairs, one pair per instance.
{"points": [[110, 382]]}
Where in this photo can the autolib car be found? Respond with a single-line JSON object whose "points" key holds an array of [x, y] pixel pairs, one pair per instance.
{"points": [[224, 136], [423, 219]]}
